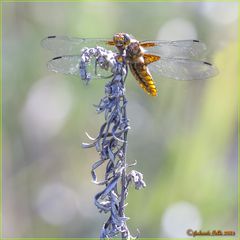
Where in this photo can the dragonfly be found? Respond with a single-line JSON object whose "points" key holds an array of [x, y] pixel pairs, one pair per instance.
{"points": [[179, 60]]}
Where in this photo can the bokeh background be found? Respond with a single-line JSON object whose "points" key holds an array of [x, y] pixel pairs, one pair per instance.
{"points": [[184, 140]]}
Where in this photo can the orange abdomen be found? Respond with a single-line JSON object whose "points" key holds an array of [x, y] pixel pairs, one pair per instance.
{"points": [[144, 78]]}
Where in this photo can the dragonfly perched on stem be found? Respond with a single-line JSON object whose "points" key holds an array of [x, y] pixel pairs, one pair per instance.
{"points": [[179, 60]]}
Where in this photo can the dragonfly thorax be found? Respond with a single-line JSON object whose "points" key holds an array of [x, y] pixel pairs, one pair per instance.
{"points": [[134, 52]]}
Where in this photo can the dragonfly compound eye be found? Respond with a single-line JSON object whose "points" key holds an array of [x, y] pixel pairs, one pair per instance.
{"points": [[127, 39]]}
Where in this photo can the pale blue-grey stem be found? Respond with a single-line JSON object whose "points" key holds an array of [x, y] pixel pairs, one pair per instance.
{"points": [[111, 142]]}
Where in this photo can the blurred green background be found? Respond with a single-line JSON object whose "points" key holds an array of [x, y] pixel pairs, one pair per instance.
{"points": [[184, 140]]}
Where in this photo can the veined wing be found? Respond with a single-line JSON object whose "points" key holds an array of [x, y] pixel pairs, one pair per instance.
{"points": [[177, 49], [70, 64], [183, 69], [63, 45]]}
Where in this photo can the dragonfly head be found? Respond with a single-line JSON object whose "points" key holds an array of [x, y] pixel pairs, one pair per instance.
{"points": [[121, 40]]}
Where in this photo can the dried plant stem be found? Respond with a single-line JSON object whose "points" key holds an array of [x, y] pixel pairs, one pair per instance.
{"points": [[123, 177], [111, 143]]}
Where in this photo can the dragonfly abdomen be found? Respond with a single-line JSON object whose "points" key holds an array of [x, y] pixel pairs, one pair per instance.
{"points": [[144, 78]]}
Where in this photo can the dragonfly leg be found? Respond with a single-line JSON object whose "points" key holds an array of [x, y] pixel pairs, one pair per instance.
{"points": [[126, 73]]}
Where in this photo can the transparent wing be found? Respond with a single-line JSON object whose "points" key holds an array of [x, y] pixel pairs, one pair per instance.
{"points": [[177, 49], [63, 45], [65, 64], [183, 69], [70, 64]]}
